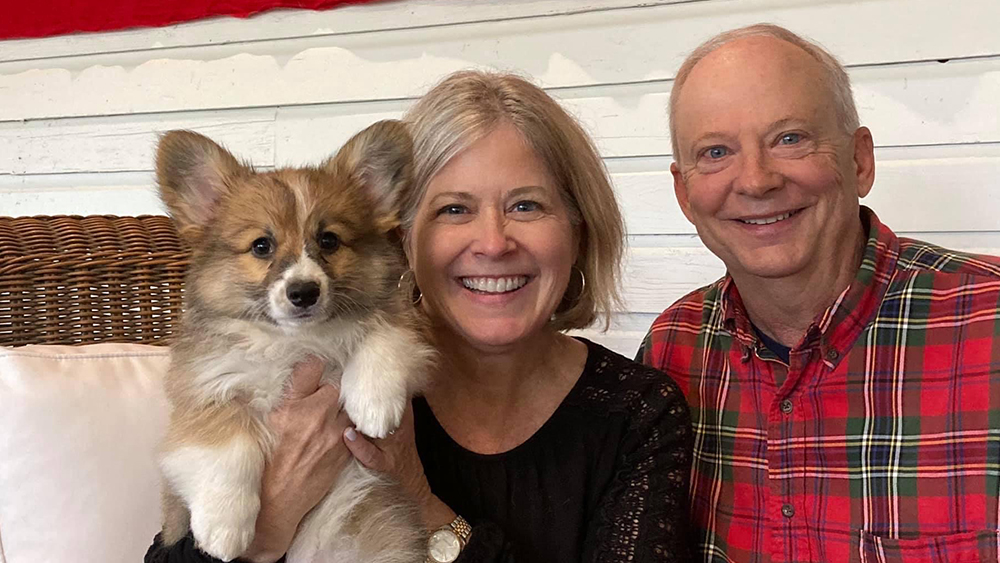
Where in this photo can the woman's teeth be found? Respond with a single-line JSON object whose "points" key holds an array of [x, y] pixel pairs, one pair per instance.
{"points": [[495, 285], [768, 220]]}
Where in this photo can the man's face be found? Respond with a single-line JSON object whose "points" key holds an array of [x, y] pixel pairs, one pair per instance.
{"points": [[763, 171]]}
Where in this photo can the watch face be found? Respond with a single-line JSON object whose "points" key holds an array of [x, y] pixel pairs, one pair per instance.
{"points": [[444, 546]]}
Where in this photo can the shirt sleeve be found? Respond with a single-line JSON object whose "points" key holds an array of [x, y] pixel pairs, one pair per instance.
{"points": [[184, 551], [644, 354], [643, 516]]}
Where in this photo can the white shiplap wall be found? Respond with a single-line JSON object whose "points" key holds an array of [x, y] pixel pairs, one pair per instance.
{"points": [[79, 114]]}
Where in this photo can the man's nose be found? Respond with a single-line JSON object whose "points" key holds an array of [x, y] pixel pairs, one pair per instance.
{"points": [[757, 174]]}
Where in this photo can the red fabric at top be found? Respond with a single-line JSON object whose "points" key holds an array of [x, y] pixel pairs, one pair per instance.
{"points": [[42, 18]]}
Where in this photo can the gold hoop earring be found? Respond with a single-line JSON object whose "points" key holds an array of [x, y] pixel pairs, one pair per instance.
{"points": [[408, 284], [568, 302], [583, 282]]}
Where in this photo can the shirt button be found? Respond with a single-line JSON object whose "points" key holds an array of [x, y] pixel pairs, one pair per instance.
{"points": [[786, 406], [832, 355], [787, 510]]}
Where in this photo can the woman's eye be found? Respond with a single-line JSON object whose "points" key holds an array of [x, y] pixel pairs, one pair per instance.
{"points": [[716, 152], [526, 206], [329, 241], [790, 138], [451, 210], [262, 247]]}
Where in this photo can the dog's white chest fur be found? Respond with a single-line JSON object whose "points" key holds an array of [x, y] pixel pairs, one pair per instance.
{"points": [[379, 367], [261, 361]]}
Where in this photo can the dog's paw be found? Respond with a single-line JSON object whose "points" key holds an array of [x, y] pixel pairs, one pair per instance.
{"points": [[226, 543], [226, 534], [375, 415]]}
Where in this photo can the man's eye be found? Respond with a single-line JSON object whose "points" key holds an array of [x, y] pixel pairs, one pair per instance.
{"points": [[716, 152], [790, 138]]}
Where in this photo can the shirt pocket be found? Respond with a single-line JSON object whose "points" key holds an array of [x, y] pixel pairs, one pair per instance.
{"points": [[967, 547]]}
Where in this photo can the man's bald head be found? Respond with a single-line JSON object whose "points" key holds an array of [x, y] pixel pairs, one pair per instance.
{"points": [[835, 77]]}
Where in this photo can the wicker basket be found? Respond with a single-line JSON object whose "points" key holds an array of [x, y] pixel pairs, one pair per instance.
{"points": [[76, 280]]}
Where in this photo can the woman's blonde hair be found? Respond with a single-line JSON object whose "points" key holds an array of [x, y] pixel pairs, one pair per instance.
{"points": [[468, 105]]}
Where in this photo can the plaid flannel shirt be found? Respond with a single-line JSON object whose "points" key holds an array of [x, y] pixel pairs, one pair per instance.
{"points": [[883, 442]]}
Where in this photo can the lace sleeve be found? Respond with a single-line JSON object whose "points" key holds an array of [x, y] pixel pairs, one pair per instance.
{"points": [[643, 515]]}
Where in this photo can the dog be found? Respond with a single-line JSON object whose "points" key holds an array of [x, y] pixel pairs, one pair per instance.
{"points": [[285, 264]]}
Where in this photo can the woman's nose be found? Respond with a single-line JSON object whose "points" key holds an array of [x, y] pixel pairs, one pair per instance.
{"points": [[491, 236]]}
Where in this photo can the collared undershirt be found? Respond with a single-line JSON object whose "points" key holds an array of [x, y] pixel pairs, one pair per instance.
{"points": [[777, 348]]}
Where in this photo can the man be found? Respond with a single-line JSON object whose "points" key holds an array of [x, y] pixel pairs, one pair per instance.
{"points": [[844, 383]]}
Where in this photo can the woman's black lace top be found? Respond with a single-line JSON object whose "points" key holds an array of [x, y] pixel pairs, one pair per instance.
{"points": [[605, 479]]}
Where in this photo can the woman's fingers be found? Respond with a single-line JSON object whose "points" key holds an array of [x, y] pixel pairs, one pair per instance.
{"points": [[306, 376], [364, 450]]}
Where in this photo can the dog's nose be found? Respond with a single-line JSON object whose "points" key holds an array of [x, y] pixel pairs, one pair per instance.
{"points": [[303, 294]]}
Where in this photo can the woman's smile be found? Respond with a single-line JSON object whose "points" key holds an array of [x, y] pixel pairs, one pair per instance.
{"points": [[494, 285]]}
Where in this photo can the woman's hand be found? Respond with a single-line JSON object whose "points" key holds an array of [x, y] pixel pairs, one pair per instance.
{"points": [[307, 459], [396, 456]]}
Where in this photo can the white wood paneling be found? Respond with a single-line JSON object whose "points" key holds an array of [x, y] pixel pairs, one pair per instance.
{"points": [[79, 115], [906, 104], [126, 143], [81, 200], [625, 333], [595, 47]]}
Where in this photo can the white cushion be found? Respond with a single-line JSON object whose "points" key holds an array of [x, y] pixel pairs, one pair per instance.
{"points": [[79, 428]]}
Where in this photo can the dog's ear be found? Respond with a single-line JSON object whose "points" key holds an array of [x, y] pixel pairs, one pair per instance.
{"points": [[193, 173], [381, 158]]}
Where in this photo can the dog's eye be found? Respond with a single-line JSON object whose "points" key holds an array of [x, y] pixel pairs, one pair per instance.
{"points": [[329, 241], [262, 247]]}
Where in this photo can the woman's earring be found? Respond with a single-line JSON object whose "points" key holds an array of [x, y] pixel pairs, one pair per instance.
{"points": [[570, 302], [408, 284], [583, 282]]}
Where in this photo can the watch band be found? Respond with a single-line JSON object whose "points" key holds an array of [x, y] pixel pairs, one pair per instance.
{"points": [[462, 529]]}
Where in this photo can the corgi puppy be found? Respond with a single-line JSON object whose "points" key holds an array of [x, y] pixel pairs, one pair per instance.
{"points": [[285, 264]]}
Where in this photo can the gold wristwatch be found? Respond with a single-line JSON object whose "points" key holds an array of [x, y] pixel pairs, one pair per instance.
{"points": [[447, 542]]}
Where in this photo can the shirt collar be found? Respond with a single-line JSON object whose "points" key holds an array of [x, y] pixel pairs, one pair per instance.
{"points": [[836, 330]]}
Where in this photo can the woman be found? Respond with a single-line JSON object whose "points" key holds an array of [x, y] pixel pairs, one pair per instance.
{"points": [[552, 448]]}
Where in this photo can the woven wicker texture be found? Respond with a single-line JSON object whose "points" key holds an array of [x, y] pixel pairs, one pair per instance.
{"points": [[75, 280]]}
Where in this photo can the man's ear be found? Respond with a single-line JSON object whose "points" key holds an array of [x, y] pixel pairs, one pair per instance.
{"points": [[864, 160], [193, 173], [381, 159], [680, 190]]}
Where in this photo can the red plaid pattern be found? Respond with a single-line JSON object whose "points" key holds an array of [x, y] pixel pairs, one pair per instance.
{"points": [[883, 442]]}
